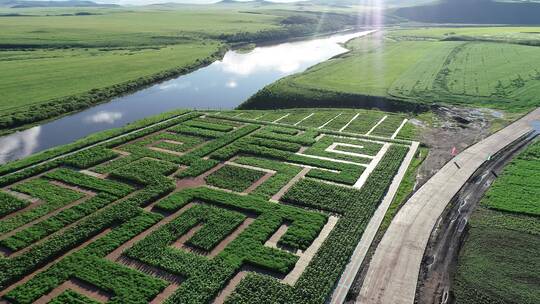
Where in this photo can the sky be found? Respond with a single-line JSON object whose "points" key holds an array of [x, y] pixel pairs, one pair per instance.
{"points": [[144, 2]]}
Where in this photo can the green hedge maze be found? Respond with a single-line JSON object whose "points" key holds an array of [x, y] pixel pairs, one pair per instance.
{"points": [[199, 208]]}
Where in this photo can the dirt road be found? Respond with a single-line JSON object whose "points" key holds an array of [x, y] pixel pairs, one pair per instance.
{"points": [[393, 273]]}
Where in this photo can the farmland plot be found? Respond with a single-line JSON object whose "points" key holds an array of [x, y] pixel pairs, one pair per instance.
{"points": [[200, 208]]}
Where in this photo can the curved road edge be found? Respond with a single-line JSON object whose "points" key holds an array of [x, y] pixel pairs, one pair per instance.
{"points": [[393, 272]]}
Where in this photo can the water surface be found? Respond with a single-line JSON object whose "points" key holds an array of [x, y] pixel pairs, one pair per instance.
{"points": [[223, 84]]}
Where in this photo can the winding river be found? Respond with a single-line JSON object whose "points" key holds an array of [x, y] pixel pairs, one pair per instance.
{"points": [[223, 84]]}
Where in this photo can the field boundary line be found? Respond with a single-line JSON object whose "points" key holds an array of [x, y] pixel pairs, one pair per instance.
{"points": [[282, 117], [332, 149], [357, 258], [399, 128], [350, 121], [301, 120], [328, 122], [332, 159], [372, 165], [376, 125]]}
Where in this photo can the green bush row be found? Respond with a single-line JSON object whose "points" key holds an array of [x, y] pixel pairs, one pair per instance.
{"points": [[52, 196], [126, 285], [234, 178], [38, 231], [203, 124], [10, 204], [90, 157], [284, 173], [89, 182]]}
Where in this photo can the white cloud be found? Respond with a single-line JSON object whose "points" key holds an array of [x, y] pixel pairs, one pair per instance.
{"points": [[19, 144], [174, 84], [284, 58], [103, 117], [231, 84]]}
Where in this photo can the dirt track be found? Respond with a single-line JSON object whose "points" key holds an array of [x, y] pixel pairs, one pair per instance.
{"points": [[446, 239], [394, 269]]}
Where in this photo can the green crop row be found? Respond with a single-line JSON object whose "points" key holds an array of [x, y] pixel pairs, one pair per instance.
{"points": [[202, 124], [206, 277], [53, 196], [109, 191], [307, 138], [24, 238], [90, 157], [363, 123], [284, 173], [88, 265], [218, 224], [186, 142], [71, 297], [197, 167], [10, 204], [388, 126], [195, 131], [344, 173], [89, 182], [234, 178]]}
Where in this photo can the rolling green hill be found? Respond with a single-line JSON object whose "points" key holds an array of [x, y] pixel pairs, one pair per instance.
{"points": [[475, 11], [403, 68]]}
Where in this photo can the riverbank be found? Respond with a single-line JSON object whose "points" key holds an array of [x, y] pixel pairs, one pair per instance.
{"points": [[223, 84], [77, 62]]}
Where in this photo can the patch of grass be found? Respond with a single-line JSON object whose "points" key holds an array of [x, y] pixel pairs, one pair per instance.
{"points": [[234, 178], [517, 189], [499, 261]]}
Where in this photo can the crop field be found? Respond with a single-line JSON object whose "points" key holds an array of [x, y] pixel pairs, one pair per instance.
{"points": [[197, 207], [360, 122], [499, 261], [471, 66]]}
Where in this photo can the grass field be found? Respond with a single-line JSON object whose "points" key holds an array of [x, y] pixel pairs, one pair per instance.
{"points": [[56, 61], [50, 74], [499, 260], [195, 208], [424, 66]]}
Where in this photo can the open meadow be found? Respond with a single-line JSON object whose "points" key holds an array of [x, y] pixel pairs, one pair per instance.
{"points": [[483, 67]]}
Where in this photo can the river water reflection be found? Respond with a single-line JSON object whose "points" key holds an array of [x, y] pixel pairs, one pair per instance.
{"points": [[222, 85]]}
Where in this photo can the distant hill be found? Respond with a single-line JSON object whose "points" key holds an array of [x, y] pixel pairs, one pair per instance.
{"points": [[386, 3], [474, 11], [67, 3]]}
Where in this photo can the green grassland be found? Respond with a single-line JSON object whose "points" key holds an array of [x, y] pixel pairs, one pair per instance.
{"points": [[54, 61], [499, 261], [96, 201], [422, 66]]}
